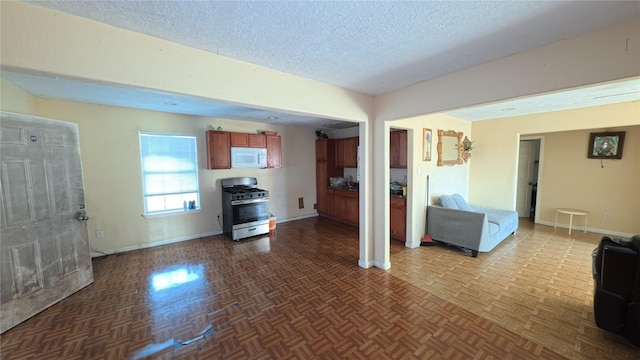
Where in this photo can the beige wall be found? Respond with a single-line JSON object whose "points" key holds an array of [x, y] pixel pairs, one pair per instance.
{"points": [[570, 179], [15, 99], [112, 176], [494, 162], [40, 40], [37, 39], [442, 179], [592, 58]]}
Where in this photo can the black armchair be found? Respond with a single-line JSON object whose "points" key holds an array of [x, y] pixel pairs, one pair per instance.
{"points": [[616, 273]]}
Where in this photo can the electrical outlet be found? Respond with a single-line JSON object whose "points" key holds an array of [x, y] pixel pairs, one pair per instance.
{"points": [[300, 203], [315, 206], [100, 233]]}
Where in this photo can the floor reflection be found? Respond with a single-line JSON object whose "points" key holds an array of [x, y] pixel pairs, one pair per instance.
{"points": [[170, 278], [177, 297]]}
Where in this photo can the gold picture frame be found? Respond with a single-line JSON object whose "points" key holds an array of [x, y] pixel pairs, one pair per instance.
{"points": [[427, 136]]}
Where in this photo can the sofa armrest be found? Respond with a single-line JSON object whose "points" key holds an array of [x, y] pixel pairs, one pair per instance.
{"points": [[457, 227]]}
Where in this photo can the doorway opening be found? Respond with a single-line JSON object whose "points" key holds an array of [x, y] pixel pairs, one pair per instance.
{"points": [[528, 178]]}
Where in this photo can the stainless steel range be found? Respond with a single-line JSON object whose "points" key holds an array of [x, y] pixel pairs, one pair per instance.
{"points": [[245, 208]]}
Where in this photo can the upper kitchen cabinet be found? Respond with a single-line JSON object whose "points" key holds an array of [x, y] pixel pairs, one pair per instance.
{"points": [[347, 152], [322, 149], [351, 152], [274, 151], [218, 150], [248, 140], [398, 149], [340, 153]]}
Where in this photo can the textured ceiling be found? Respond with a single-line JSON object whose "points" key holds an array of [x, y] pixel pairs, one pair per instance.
{"points": [[370, 47]]}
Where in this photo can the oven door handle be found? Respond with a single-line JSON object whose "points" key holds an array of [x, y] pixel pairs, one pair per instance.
{"points": [[249, 201]]}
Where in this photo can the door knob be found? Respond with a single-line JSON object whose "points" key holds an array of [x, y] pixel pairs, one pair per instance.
{"points": [[82, 215]]}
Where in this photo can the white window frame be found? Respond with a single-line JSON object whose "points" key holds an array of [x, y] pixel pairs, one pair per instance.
{"points": [[175, 196]]}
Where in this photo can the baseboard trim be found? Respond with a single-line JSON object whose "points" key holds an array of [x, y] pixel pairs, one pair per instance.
{"points": [[412, 245], [99, 253], [365, 264], [589, 229], [382, 265], [301, 217]]}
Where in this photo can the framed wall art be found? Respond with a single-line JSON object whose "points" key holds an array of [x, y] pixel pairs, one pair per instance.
{"points": [[426, 144], [606, 145]]}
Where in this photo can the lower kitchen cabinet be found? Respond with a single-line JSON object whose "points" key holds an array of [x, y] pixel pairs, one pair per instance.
{"points": [[353, 209], [331, 202], [398, 218], [343, 205]]}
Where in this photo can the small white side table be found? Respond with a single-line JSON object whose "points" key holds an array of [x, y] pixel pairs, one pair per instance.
{"points": [[572, 212]]}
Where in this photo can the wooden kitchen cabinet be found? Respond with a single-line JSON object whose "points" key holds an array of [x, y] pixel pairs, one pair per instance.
{"points": [[398, 149], [331, 203], [257, 141], [347, 152], [248, 140], [346, 206], [325, 168], [351, 152], [322, 148], [340, 206], [322, 183], [353, 207], [398, 218], [340, 153], [218, 150], [274, 151]]}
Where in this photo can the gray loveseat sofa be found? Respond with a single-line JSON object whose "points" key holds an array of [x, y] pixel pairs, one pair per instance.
{"points": [[477, 228]]}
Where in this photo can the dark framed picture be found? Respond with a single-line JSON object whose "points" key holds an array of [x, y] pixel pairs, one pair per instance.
{"points": [[606, 145]]}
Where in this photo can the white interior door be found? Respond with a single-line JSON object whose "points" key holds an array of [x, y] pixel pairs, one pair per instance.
{"points": [[526, 162], [44, 249]]}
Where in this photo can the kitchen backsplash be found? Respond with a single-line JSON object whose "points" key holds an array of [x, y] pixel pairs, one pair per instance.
{"points": [[350, 172], [398, 175]]}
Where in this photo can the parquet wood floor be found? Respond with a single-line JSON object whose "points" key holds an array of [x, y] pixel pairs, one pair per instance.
{"points": [[301, 295]]}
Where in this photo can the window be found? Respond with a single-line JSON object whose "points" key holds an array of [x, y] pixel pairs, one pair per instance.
{"points": [[169, 173]]}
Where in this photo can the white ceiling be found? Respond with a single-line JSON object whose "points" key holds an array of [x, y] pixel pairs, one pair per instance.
{"points": [[370, 47]]}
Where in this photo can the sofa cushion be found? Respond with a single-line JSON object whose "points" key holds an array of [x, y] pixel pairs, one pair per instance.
{"points": [[461, 202], [447, 202], [503, 218]]}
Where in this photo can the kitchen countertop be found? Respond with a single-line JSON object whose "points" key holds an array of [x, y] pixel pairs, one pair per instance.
{"points": [[355, 188], [345, 188]]}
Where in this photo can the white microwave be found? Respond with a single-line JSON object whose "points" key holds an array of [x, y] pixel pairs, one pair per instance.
{"points": [[242, 157]]}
